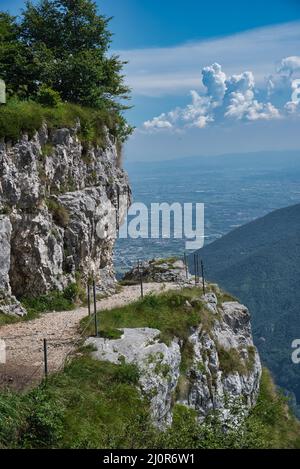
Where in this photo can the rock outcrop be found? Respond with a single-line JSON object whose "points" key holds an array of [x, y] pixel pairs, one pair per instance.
{"points": [[158, 270], [57, 201], [158, 364], [223, 369]]}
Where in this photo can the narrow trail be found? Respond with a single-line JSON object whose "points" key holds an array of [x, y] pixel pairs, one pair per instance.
{"points": [[24, 340]]}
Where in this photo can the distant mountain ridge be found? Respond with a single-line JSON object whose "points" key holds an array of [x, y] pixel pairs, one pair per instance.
{"points": [[260, 264], [263, 159]]}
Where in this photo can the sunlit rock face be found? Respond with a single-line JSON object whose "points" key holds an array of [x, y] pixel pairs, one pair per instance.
{"points": [[224, 371], [8, 303], [158, 364], [57, 200]]}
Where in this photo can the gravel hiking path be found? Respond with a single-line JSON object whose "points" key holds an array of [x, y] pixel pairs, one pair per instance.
{"points": [[24, 340]]}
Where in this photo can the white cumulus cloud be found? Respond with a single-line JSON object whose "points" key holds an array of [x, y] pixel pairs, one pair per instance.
{"points": [[242, 105], [290, 65], [236, 98], [215, 81], [160, 122]]}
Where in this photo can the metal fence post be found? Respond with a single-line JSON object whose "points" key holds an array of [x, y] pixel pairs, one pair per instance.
{"points": [[45, 358], [186, 266], [141, 280], [196, 267], [89, 299], [95, 308], [203, 279]]}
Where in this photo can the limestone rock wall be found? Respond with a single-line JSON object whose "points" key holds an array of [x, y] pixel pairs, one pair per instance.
{"points": [[224, 373], [8, 302], [56, 198], [226, 368]]}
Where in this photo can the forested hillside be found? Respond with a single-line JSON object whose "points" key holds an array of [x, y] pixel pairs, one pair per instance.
{"points": [[259, 263]]}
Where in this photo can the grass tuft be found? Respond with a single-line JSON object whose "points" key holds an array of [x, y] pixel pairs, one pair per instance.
{"points": [[89, 405], [19, 117], [166, 312], [53, 301], [60, 214]]}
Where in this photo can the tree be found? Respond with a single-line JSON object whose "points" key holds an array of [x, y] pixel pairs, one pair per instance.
{"points": [[63, 45], [14, 58]]}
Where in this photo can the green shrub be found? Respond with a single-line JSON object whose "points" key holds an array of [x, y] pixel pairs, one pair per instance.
{"points": [[127, 373], [186, 432], [44, 421], [71, 292], [48, 97], [18, 117], [251, 358], [7, 319], [111, 334], [12, 419], [81, 292], [53, 301], [47, 150], [230, 361], [271, 423], [187, 355]]}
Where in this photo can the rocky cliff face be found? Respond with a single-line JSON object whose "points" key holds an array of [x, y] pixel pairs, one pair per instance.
{"points": [[55, 204], [226, 369], [223, 369]]}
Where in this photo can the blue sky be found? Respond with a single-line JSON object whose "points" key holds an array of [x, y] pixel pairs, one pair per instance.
{"points": [[207, 77], [158, 23]]}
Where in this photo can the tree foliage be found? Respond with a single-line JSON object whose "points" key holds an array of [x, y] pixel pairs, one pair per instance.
{"points": [[14, 57], [61, 45]]}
